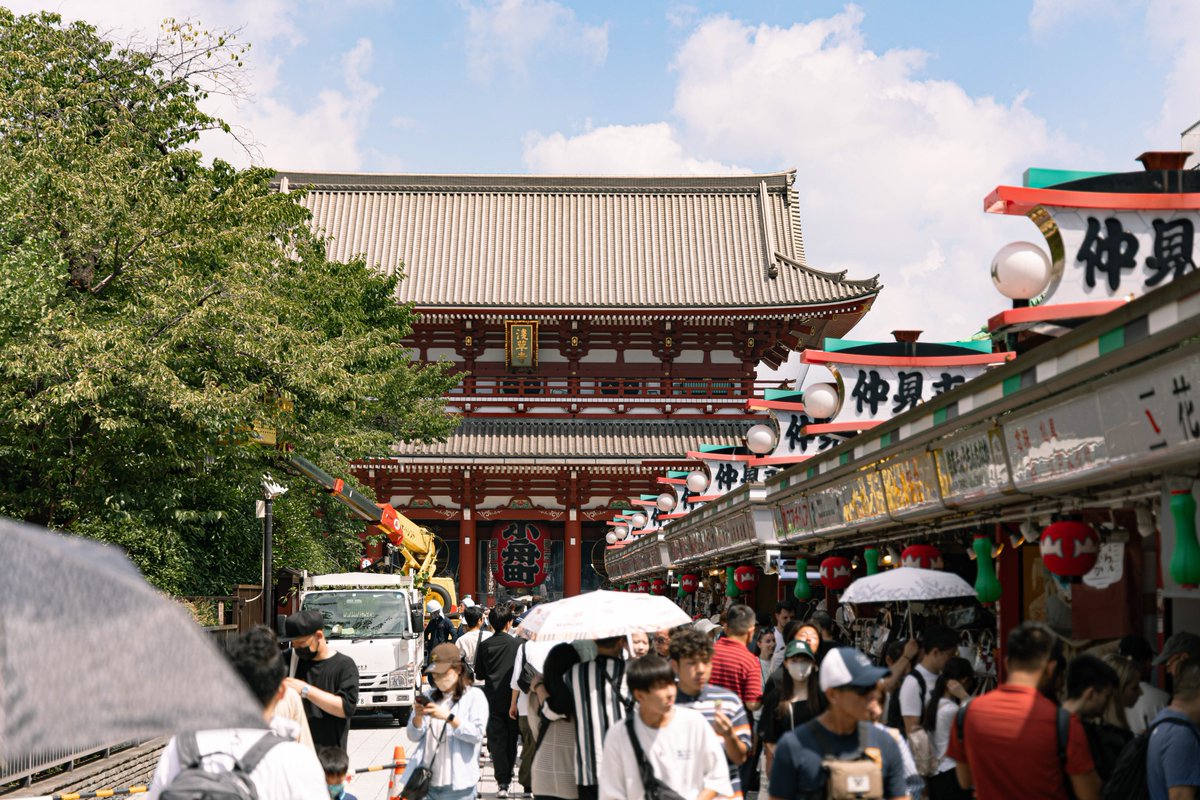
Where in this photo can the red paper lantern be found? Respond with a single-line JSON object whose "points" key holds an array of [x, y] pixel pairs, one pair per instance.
{"points": [[658, 586], [689, 583], [1069, 549], [745, 578], [922, 556], [521, 555], [644, 587], [836, 573]]}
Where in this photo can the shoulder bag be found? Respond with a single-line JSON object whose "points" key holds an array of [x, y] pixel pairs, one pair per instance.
{"points": [[652, 786], [858, 777], [421, 780]]}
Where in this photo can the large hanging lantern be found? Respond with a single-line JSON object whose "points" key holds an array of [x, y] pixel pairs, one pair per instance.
{"points": [[1185, 561], [745, 578], [803, 589], [987, 585], [921, 556], [731, 589], [697, 481], [1070, 549], [658, 587], [871, 556], [665, 502], [689, 583], [836, 573]]}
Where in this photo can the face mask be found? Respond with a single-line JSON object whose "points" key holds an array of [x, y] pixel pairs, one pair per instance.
{"points": [[445, 682], [305, 653], [799, 670], [336, 789]]}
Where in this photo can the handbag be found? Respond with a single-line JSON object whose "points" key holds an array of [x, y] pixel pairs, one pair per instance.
{"points": [[652, 786], [419, 782], [528, 672]]}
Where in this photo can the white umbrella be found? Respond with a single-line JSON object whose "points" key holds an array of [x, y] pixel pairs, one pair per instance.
{"points": [[600, 615], [907, 584]]}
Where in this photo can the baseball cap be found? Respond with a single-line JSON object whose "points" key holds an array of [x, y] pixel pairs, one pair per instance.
{"points": [[433, 606], [1183, 643], [845, 666], [798, 649], [302, 623], [443, 657]]}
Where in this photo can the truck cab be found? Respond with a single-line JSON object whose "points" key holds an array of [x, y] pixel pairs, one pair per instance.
{"points": [[377, 621]]}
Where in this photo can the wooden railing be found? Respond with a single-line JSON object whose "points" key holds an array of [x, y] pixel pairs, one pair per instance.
{"points": [[486, 390]]}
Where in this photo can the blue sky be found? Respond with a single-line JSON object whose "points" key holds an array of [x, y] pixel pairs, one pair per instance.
{"points": [[898, 116]]}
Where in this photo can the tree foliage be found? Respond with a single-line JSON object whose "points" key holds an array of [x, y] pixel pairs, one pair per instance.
{"points": [[155, 310]]}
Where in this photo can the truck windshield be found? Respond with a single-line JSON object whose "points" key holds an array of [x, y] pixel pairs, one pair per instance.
{"points": [[360, 614]]}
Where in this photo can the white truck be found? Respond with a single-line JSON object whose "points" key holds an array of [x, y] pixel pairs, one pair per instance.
{"points": [[377, 620]]}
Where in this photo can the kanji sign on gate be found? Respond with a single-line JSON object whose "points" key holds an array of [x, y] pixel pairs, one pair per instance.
{"points": [[521, 557]]}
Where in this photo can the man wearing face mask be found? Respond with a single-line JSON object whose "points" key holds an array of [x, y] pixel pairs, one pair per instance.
{"points": [[326, 679]]}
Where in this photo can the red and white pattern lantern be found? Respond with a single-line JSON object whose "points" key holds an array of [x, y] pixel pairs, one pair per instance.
{"points": [[921, 556], [836, 573], [689, 583], [658, 587], [1069, 549], [745, 578], [643, 587]]}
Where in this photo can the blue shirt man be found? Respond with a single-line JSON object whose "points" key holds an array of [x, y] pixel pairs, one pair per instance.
{"points": [[1173, 755]]}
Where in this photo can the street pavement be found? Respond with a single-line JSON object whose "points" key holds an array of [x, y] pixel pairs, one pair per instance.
{"points": [[372, 741]]}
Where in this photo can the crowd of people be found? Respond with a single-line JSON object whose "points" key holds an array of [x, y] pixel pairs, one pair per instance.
{"points": [[719, 709]]}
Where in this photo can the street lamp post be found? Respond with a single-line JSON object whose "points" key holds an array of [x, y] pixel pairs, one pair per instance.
{"points": [[271, 490]]}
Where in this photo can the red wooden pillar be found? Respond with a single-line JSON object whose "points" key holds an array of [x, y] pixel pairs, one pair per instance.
{"points": [[1009, 609], [468, 568], [572, 554]]}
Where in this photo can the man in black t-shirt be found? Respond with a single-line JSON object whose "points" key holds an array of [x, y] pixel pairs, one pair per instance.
{"points": [[326, 679], [494, 662], [851, 684]]}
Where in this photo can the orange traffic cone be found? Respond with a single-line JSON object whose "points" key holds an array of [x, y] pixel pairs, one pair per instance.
{"points": [[398, 759]]}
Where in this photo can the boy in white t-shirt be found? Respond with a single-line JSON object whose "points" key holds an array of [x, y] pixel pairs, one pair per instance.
{"points": [[676, 743]]}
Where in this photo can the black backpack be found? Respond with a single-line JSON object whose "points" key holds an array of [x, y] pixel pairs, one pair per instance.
{"points": [[1128, 780], [894, 718], [194, 783]]}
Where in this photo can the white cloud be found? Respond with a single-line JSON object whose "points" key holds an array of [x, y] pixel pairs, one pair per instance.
{"points": [[323, 132], [618, 150], [511, 33], [1170, 26], [1046, 15], [891, 168]]}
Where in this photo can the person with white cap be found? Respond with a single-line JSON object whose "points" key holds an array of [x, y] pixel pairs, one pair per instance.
{"points": [[841, 737], [438, 630]]}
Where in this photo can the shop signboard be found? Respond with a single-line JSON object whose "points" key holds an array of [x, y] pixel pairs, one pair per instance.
{"points": [[793, 518], [1138, 421], [825, 504], [972, 470], [863, 500], [910, 485]]}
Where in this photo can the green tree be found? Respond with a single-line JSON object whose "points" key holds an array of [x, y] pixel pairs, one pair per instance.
{"points": [[154, 311]]}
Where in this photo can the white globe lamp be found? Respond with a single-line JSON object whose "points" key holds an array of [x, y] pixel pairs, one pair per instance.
{"points": [[1021, 270], [697, 481], [761, 439], [621, 532], [665, 502], [610, 537], [821, 400], [638, 520]]}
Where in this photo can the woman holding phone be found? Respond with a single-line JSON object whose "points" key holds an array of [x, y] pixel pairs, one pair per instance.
{"points": [[447, 727]]}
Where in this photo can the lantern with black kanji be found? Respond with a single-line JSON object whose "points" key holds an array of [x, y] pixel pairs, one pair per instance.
{"points": [[836, 573], [521, 555], [1070, 548], [746, 578], [689, 583], [658, 587], [922, 556]]}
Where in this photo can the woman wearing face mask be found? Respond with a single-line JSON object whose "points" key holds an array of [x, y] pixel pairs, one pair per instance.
{"points": [[448, 728], [795, 701], [794, 631]]}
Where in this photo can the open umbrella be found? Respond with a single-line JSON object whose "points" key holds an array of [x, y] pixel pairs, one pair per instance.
{"points": [[907, 584], [91, 655], [600, 615]]}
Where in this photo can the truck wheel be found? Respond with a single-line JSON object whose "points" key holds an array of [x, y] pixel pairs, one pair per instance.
{"points": [[443, 596], [402, 716]]}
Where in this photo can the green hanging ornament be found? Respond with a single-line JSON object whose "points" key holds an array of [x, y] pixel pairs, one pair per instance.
{"points": [[1185, 561], [803, 589], [680, 593], [871, 556], [987, 585], [731, 589]]}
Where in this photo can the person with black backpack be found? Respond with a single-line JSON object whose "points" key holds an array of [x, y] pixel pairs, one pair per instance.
{"points": [[938, 645], [1173, 741], [661, 751], [250, 763]]}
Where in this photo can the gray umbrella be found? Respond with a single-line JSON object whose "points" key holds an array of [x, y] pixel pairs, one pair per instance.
{"points": [[92, 655]]}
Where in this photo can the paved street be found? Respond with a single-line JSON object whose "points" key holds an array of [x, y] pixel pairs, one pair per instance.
{"points": [[372, 740]]}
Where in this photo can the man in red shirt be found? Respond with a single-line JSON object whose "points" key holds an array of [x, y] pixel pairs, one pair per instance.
{"points": [[1008, 745], [734, 667]]}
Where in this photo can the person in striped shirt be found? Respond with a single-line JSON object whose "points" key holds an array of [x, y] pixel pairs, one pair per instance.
{"points": [[600, 701], [691, 658]]}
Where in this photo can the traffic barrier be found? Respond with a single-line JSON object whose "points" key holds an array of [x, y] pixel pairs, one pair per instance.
{"points": [[90, 795]]}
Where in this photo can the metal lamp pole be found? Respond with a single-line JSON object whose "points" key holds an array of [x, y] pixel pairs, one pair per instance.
{"points": [[271, 490]]}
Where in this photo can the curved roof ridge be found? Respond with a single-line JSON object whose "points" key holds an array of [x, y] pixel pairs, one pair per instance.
{"points": [[481, 181], [840, 277]]}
